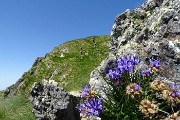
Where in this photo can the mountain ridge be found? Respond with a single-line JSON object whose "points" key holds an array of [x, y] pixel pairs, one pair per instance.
{"points": [[47, 67]]}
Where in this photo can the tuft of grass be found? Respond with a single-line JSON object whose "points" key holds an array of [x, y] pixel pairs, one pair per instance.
{"points": [[15, 108], [1, 93]]}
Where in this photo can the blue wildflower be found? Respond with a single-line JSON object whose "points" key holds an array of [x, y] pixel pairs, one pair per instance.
{"points": [[94, 106], [133, 90], [155, 63], [136, 87], [91, 107], [114, 74], [154, 67], [130, 66], [85, 91], [175, 89], [178, 93], [111, 73], [127, 63], [175, 94], [146, 72], [82, 107], [120, 67], [136, 60]]}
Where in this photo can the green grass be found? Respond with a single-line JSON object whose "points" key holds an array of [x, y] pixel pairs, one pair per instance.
{"points": [[1, 93], [15, 108]]}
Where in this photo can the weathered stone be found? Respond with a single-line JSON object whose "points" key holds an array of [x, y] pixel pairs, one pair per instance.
{"points": [[174, 24], [14, 87], [153, 29], [51, 102]]}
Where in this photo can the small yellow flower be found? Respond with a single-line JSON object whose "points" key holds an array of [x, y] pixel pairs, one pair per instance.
{"points": [[142, 53]]}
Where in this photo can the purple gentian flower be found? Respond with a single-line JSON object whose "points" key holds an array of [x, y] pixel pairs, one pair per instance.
{"points": [[120, 60], [174, 87], [120, 67], [155, 63], [94, 106], [85, 91], [146, 72], [176, 91], [136, 60], [175, 94], [125, 59], [130, 66], [127, 63], [111, 73], [136, 87], [114, 74], [81, 107]]}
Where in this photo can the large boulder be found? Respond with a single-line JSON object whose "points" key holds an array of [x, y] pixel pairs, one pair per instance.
{"points": [[51, 102], [152, 30]]}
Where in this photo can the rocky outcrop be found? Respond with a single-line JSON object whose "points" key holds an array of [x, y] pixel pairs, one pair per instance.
{"points": [[38, 60], [13, 88], [152, 30], [53, 103]]}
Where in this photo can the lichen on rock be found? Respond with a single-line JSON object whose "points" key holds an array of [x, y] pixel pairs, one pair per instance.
{"points": [[52, 102], [152, 30]]}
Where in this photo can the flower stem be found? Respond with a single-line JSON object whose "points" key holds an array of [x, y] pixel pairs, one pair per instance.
{"points": [[163, 111]]}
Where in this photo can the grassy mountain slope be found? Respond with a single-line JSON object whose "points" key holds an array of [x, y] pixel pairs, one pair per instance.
{"points": [[65, 64]]}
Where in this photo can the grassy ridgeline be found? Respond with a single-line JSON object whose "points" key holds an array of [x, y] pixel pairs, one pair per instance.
{"points": [[66, 65]]}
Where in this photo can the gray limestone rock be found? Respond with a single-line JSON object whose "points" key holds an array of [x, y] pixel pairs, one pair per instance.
{"points": [[152, 29], [51, 102]]}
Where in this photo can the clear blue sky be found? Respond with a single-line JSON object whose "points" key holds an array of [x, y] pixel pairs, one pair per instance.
{"points": [[32, 28]]}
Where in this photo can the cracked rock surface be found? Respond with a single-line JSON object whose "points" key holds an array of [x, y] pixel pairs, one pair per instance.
{"points": [[51, 102]]}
